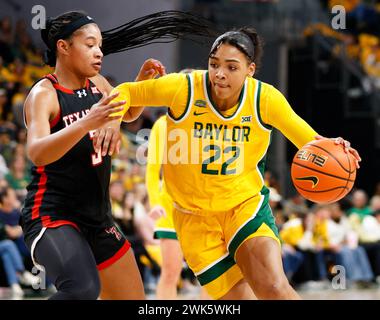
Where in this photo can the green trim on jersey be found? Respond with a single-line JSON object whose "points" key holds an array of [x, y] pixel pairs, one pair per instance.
{"points": [[215, 107], [267, 126], [262, 162]]}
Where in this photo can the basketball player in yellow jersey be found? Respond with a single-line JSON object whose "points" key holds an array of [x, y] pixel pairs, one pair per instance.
{"points": [[218, 132], [161, 208]]}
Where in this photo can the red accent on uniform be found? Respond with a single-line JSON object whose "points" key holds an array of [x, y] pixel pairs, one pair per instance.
{"points": [[63, 89], [56, 119], [52, 77], [87, 84], [40, 193], [47, 223], [124, 249]]}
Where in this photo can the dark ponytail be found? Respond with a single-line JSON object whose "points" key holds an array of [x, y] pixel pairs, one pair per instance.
{"points": [[159, 27], [258, 44]]}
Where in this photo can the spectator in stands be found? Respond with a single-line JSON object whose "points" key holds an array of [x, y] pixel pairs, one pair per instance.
{"points": [[117, 194], [370, 57], [135, 230], [335, 236], [298, 233], [359, 203], [3, 101], [18, 177], [7, 145], [369, 235], [13, 265], [9, 216], [295, 203]]}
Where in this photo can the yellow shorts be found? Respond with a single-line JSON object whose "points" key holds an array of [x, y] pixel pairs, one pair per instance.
{"points": [[164, 227], [209, 240]]}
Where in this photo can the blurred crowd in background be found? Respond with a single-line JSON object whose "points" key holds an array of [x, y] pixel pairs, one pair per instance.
{"points": [[360, 40]]}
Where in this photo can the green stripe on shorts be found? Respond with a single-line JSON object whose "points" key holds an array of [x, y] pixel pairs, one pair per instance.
{"points": [[165, 235], [216, 270], [264, 215]]}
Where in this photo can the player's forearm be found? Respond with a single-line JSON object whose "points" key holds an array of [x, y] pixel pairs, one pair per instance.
{"points": [[45, 150], [170, 91], [132, 114], [297, 130], [153, 183]]}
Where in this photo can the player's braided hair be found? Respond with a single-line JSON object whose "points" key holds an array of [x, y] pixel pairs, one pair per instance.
{"points": [[160, 27]]}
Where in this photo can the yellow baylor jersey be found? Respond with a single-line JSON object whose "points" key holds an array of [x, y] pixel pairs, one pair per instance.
{"points": [[215, 161]]}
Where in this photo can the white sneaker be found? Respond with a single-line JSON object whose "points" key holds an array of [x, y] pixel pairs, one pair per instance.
{"points": [[17, 292], [28, 279]]}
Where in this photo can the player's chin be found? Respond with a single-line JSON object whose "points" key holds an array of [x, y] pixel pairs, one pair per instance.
{"points": [[223, 93], [92, 72]]}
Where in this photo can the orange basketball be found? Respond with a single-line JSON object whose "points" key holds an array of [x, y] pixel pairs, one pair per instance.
{"points": [[322, 172]]}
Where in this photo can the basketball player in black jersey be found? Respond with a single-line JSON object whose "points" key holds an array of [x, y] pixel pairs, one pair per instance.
{"points": [[66, 216]]}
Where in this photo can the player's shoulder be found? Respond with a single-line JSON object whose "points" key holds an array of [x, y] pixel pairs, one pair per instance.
{"points": [[269, 92], [44, 89], [265, 87], [197, 75]]}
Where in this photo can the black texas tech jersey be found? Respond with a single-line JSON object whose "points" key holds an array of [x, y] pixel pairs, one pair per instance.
{"points": [[75, 187]]}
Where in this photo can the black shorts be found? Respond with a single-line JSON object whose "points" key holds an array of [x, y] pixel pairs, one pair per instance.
{"points": [[107, 244]]}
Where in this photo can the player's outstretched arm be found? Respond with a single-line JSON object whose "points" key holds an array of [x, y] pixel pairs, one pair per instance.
{"points": [[108, 136]]}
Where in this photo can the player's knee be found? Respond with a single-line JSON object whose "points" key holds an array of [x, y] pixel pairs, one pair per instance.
{"points": [[275, 288], [91, 291], [81, 289]]}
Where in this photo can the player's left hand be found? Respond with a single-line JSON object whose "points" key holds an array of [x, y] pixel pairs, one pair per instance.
{"points": [[157, 212], [150, 69], [347, 148], [108, 139]]}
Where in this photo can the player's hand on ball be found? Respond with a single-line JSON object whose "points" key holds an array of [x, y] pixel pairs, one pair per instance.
{"points": [[347, 147]]}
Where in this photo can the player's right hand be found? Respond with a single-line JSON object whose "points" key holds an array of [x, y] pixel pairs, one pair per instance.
{"points": [[157, 212], [100, 112]]}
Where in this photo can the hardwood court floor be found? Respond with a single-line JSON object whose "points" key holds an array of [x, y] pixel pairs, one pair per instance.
{"points": [[327, 294]]}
